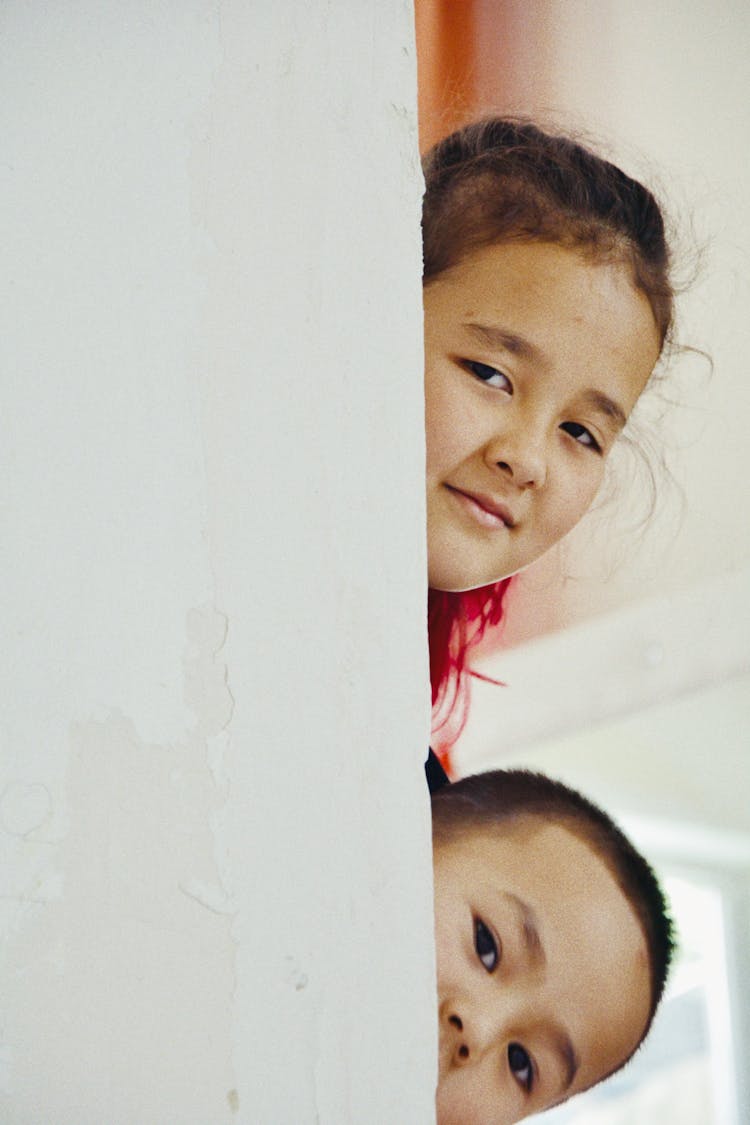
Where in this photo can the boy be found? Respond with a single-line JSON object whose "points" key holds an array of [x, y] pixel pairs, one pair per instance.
{"points": [[553, 945]]}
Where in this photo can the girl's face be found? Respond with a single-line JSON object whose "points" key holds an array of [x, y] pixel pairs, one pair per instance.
{"points": [[542, 971], [534, 357]]}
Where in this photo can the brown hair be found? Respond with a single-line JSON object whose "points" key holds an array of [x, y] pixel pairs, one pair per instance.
{"points": [[501, 180]]}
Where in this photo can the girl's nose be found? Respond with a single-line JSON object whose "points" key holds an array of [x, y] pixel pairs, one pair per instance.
{"points": [[520, 458]]}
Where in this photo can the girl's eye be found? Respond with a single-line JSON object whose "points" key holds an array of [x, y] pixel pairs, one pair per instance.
{"points": [[581, 435], [490, 376], [521, 1066], [486, 946]]}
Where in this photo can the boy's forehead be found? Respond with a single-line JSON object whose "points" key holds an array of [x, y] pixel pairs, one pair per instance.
{"points": [[530, 852], [516, 830]]}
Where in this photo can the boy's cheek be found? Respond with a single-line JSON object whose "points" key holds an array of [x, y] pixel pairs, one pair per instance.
{"points": [[451, 947]]}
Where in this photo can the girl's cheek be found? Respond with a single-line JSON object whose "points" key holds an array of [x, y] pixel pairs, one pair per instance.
{"points": [[458, 427], [445, 426]]}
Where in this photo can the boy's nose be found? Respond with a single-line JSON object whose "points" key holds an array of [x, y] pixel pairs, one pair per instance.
{"points": [[522, 460], [459, 1048], [470, 1038]]}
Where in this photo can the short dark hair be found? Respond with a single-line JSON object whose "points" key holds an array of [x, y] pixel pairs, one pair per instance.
{"points": [[484, 801], [505, 179]]}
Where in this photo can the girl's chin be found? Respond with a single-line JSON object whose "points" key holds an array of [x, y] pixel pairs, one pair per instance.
{"points": [[457, 563], [458, 581], [460, 587]]}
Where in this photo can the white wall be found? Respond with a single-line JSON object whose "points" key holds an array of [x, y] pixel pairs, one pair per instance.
{"points": [[214, 860], [620, 666]]}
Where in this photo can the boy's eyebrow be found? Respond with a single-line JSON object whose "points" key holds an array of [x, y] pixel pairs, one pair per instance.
{"points": [[492, 336], [535, 950], [529, 928], [567, 1051]]}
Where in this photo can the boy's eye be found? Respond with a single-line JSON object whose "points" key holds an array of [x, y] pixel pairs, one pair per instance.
{"points": [[520, 1066], [490, 376], [581, 434], [486, 946]]}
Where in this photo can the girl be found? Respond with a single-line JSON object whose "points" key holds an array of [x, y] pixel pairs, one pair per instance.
{"points": [[547, 305]]}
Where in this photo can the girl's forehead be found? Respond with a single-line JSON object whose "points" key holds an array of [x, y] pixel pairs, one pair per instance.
{"points": [[550, 303], [533, 261]]}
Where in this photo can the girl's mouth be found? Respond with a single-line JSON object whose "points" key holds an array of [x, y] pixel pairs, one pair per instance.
{"points": [[485, 509]]}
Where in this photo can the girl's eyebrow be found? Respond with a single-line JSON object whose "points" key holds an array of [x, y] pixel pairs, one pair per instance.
{"points": [[605, 405], [492, 336]]}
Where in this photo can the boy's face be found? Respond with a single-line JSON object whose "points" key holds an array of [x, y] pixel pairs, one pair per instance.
{"points": [[542, 967]]}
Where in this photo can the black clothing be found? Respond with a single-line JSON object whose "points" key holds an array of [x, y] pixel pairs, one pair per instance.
{"points": [[436, 775]]}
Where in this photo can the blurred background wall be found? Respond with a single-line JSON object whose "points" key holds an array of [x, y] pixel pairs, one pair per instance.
{"points": [[626, 651]]}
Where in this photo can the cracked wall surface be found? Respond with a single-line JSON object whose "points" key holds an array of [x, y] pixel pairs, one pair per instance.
{"points": [[212, 809]]}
